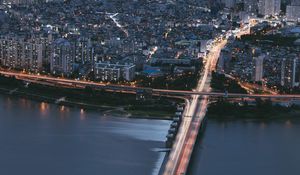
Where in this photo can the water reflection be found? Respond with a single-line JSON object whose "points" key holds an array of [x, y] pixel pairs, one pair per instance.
{"points": [[263, 125], [62, 108], [23, 103], [83, 142], [82, 114], [288, 124], [64, 112], [8, 103], [43, 108]]}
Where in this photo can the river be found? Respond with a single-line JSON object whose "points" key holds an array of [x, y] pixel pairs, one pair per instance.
{"points": [[248, 147], [39, 138]]}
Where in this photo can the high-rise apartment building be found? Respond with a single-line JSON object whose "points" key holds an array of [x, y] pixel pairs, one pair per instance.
{"points": [[251, 6], [229, 3], [295, 2], [258, 68], [84, 51], [290, 71], [62, 57], [224, 60], [269, 7], [293, 11], [18, 53]]}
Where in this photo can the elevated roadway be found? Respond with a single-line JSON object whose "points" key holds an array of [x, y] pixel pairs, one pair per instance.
{"points": [[47, 80]]}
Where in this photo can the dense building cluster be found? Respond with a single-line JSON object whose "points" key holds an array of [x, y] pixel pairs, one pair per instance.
{"points": [[268, 61], [267, 7], [116, 40], [104, 37], [24, 53], [18, 2]]}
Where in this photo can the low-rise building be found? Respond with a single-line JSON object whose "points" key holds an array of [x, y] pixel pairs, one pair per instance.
{"points": [[114, 72]]}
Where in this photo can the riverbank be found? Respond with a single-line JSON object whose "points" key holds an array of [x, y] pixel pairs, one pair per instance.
{"points": [[263, 110], [88, 99]]}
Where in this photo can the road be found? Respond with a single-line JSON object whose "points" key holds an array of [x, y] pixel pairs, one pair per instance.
{"points": [[192, 118], [199, 91]]}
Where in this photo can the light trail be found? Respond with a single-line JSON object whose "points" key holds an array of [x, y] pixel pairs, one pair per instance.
{"points": [[187, 135], [115, 20], [193, 116], [80, 83]]}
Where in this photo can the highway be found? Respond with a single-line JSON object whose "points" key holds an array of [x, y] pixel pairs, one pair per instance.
{"points": [[199, 91], [229, 95]]}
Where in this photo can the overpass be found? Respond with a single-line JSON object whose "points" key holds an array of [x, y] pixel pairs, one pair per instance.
{"points": [[48, 80]]}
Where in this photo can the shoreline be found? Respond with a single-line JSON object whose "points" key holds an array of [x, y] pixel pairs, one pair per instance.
{"points": [[117, 110], [265, 111]]}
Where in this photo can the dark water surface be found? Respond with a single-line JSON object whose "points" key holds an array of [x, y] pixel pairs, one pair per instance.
{"points": [[44, 139], [248, 147]]}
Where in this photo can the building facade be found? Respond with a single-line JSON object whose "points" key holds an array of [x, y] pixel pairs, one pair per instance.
{"points": [[28, 2], [269, 7], [258, 68], [293, 11], [251, 6], [229, 3], [62, 57], [18, 53], [84, 51], [224, 60], [113, 72], [290, 71]]}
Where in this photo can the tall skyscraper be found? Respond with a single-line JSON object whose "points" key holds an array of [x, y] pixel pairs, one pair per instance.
{"points": [[62, 59], [269, 7], [277, 7], [16, 52], [229, 3], [295, 2], [293, 11], [224, 60], [84, 52], [258, 68], [289, 70], [251, 6]]}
